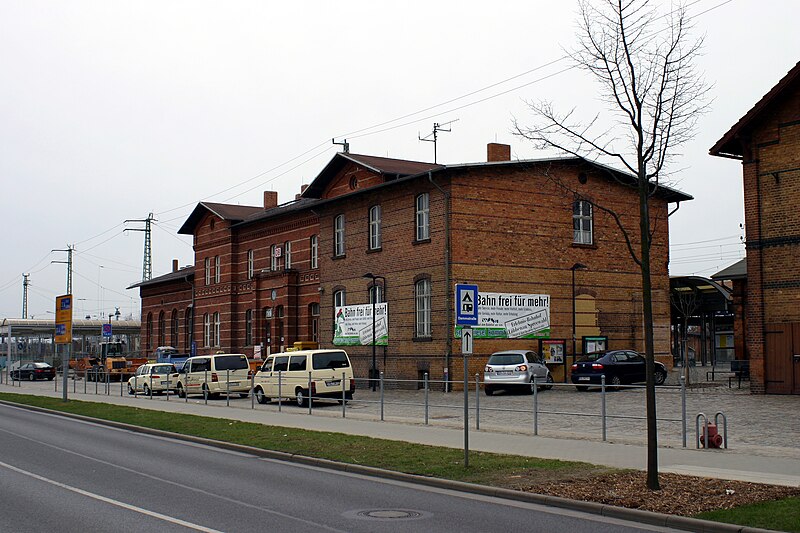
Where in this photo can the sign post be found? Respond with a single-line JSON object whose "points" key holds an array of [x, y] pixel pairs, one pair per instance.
{"points": [[466, 316], [64, 336]]}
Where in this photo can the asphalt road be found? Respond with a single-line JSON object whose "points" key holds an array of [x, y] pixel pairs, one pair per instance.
{"points": [[59, 475]]}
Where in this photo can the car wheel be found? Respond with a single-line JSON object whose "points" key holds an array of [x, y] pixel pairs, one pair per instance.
{"points": [[549, 382], [300, 398], [530, 388], [130, 389], [660, 377], [146, 390], [488, 390], [615, 382], [181, 393], [260, 396], [31, 377], [582, 388]]}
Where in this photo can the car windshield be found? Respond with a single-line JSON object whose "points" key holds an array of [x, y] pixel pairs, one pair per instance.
{"points": [[231, 362], [593, 356], [330, 360], [506, 359]]}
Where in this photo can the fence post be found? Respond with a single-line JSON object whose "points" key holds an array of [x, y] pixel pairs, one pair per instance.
{"points": [[228, 387], [74, 381], [280, 375], [96, 382], [535, 405], [55, 379], [85, 379], [603, 404], [683, 409], [108, 382], [135, 385], [477, 401], [205, 387], [166, 392], [344, 396], [253, 390], [120, 385], [426, 397], [381, 396], [309, 393]]}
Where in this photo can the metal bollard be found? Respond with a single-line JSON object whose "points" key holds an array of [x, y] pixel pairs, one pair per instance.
{"points": [[280, 372], [603, 404], [85, 379], [228, 387], [477, 401], [108, 383], [74, 382], [205, 387], [698, 437], [425, 381], [310, 401], [56, 382], [135, 385], [166, 392], [253, 390], [121, 380], [535, 405], [381, 396], [344, 396], [150, 388], [724, 427], [96, 383], [683, 409]]}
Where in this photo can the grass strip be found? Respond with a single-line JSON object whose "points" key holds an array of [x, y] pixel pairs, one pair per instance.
{"points": [[779, 515], [420, 459]]}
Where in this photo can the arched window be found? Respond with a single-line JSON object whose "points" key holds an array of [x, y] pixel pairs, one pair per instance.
{"points": [[338, 236], [314, 243], [149, 332], [207, 339], [423, 221], [173, 329], [162, 329], [217, 325], [188, 324], [287, 255], [375, 227]]}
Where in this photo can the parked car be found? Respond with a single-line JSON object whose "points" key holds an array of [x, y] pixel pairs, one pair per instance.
{"points": [[515, 369], [618, 366], [154, 378], [34, 371], [214, 375], [326, 369]]}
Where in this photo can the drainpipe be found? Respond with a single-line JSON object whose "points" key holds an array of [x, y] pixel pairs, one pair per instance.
{"points": [[449, 302]]}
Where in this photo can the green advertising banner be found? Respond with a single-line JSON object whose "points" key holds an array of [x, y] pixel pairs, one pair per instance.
{"points": [[354, 325], [511, 316]]}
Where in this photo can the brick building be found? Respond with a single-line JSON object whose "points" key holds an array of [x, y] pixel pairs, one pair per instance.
{"points": [[514, 228], [767, 141]]}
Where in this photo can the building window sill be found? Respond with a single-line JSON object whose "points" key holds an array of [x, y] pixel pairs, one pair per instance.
{"points": [[374, 250], [337, 257], [421, 241], [422, 339], [585, 246]]}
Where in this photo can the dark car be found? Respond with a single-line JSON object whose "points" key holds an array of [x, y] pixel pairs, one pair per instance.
{"points": [[34, 371], [618, 366]]}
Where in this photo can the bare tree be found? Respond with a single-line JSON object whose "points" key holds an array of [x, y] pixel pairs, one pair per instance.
{"points": [[686, 302], [644, 63]]}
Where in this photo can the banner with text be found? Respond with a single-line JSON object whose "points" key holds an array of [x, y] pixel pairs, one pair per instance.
{"points": [[354, 325], [511, 316]]}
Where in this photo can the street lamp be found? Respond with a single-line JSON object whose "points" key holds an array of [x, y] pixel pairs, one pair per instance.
{"points": [[373, 371], [573, 268]]}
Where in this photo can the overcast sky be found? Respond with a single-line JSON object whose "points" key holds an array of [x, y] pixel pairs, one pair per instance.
{"points": [[112, 110]]}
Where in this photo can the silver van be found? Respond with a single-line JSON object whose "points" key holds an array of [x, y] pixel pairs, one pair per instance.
{"points": [[214, 375]]}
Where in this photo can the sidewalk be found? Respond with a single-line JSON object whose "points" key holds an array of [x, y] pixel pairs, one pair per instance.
{"points": [[723, 464]]}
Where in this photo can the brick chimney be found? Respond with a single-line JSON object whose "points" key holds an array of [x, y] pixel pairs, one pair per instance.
{"points": [[174, 265], [270, 199], [498, 152]]}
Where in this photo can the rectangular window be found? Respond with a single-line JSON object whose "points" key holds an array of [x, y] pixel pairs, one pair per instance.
{"points": [[314, 251], [206, 330], [582, 222], [375, 227], [423, 307], [339, 299], [338, 236], [218, 269], [250, 264], [207, 265], [275, 255], [248, 327], [281, 363], [216, 329], [376, 294], [423, 217], [287, 255]]}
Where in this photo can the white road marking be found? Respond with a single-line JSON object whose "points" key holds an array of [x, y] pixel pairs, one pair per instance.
{"points": [[118, 503]]}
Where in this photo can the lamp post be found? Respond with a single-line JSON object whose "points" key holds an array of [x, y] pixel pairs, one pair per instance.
{"points": [[573, 268], [373, 371]]}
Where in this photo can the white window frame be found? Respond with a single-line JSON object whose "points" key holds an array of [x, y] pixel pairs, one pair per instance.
{"points": [[206, 330], [338, 236], [422, 205], [314, 242], [207, 265], [275, 259], [217, 269], [287, 255], [582, 222], [250, 264], [217, 325], [375, 227], [422, 308], [339, 298], [376, 294]]}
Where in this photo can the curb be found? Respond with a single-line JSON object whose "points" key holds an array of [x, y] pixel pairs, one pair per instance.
{"points": [[633, 515]]}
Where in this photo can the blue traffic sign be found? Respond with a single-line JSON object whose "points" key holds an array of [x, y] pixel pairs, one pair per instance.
{"points": [[107, 330], [466, 305]]}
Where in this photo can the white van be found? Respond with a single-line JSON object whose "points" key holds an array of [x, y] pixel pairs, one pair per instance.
{"points": [[214, 375], [288, 374]]}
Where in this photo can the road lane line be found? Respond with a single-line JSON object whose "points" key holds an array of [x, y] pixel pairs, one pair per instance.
{"points": [[118, 503]]}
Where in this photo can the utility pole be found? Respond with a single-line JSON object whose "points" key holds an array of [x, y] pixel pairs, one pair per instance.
{"points": [[68, 262], [147, 263], [25, 295], [433, 136]]}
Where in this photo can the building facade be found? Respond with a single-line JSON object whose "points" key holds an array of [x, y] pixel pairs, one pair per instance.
{"points": [[767, 142]]}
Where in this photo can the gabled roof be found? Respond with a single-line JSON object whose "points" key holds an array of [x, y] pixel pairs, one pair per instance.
{"points": [[290, 207], [738, 270], [387, 167], [230, 212], [181, 273], [728, 145]]}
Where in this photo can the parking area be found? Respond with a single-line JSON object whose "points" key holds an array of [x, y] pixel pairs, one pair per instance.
{"points": [[764, 425]]}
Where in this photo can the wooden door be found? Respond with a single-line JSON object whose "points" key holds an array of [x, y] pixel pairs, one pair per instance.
{"points": [[795, 363], [781, 367]]}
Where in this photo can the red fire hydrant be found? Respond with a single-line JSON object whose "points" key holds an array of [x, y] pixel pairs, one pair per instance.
{"points": [[713, 439]]}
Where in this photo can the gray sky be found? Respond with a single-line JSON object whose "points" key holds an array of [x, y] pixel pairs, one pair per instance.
{"points": [[111, 110]]}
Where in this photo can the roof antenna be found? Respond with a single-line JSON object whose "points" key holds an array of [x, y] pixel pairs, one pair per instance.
{"points": [[344, 144], [436, 129]]}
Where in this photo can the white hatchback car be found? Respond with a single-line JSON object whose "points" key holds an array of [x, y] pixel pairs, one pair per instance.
{"points": [[515, 369], [154, 378]]}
